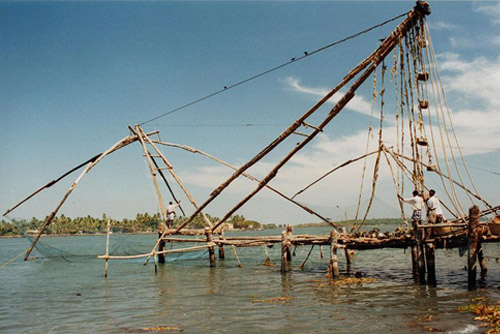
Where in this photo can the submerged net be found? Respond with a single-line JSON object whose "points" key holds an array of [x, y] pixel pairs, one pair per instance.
{"points": [[72, 247]]}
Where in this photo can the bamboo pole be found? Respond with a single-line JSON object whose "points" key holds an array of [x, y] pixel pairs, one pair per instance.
{"points": [[307, 257], [233, 248], [176, 178], [122, 143], [348, 162], [153, 174], [248, 176], [106, 266]]}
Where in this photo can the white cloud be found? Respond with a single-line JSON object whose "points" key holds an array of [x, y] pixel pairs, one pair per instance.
{"points": [[492, 10], [357, 104], [478, 79], [443, 25]]}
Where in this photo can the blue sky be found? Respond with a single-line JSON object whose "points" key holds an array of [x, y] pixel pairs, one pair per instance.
{"points": [[76, 74]]}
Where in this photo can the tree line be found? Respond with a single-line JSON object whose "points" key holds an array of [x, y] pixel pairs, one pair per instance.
{"points": [[143, 223]]}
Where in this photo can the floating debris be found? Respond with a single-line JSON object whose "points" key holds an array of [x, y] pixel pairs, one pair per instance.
{"points": [[485, 312], [283, 299]]}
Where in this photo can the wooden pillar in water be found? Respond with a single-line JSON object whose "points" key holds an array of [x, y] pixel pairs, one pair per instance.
{"points": [[473, 243], [480, 257], [211, 252], [348, 255], [414, 251], [286, 244], [161, 243], [431, 264], [289, 232], [333, 264], [221, 246], [106, 266], [419, 236]]}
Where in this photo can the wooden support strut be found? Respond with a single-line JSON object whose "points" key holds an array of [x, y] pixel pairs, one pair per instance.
{"points": [[374, 59]]}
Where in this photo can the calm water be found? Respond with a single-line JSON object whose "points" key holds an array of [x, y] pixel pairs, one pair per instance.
{"points": [[71, 295]]}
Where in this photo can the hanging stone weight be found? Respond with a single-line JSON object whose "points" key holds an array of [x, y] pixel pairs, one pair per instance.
{"points": [[423, 104], [423, 76], [422, 141], [421, 41]]}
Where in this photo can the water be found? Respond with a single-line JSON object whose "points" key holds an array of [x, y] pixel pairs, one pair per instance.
{"points": [[71, 295]]}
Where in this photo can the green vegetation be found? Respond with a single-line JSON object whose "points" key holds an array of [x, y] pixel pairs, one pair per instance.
{"points": [[146, 223], [143, 223]]}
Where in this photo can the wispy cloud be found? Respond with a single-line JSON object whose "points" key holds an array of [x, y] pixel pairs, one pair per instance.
{"points": [[492, 10], [358, 103], [443, 26]]}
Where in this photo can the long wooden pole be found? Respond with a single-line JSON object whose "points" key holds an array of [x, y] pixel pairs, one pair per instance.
{"points": [[176, 178], [446, 177], [153, 174], [348, 162], [106, 266], [248, 176], [122, 143]]}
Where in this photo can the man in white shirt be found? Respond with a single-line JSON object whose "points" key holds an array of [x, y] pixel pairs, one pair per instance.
{"points": [[434, 212], [417, 204], [171, 213]]}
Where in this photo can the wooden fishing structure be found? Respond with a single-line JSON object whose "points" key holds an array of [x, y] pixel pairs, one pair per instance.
{"points": [[416, 81]]}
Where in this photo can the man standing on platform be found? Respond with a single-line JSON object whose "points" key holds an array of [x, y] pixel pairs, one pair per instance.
{"points": [[171, 213], [417, 204], [434, 211]]}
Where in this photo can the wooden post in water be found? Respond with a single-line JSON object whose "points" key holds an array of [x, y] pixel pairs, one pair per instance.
{"points": [[289, 232], [333, 264], [431, 264], [348, 256], [480, 257], [473, 246], [106, 266], [414, 251], [285, 249], [221, 246], [161, 244], [420, 255], [211, 252]]}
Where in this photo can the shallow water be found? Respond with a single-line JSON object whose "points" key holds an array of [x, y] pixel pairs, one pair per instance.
{"points": [[70, 294]]}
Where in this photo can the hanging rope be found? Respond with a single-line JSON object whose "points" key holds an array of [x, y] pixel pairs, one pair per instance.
{"points": [[380, 146]]}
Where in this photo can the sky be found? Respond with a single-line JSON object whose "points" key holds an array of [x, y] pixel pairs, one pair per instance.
{"points": [[75, 75]]}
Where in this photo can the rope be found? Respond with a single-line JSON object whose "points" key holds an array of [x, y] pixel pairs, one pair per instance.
{"points": [[370, 129], [380, 146], [293, 60], [438, 76]]}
